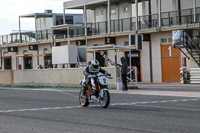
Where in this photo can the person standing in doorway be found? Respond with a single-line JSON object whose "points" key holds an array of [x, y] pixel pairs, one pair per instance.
{"points": [[124, 71]]}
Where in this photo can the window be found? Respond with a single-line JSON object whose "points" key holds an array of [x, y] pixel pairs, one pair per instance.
{"points": [[113, 11], [25, 51], [126, 43], [125, 9], [102, 12], [166, 40], [169, 40], [97, 13], [47, 50]]}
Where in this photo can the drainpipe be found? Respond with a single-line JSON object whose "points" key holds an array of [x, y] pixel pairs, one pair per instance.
{"points": [[150, 58]]}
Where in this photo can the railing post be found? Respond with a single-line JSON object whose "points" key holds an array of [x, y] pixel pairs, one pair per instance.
{"points": [[194, 8]]}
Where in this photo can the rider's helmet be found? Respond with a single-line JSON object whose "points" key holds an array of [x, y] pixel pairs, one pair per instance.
{"points": [[95, 64]]}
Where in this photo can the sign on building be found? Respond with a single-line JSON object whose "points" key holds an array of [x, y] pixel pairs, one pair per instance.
{"points": [[80, 42], [110, 40], [12, 49], [33, 47]]}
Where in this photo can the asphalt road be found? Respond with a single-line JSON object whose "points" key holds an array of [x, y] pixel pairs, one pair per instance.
{"points": [[38, 111]]}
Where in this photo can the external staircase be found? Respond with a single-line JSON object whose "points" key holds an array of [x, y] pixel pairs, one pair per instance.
{"points": [[191, 42]]}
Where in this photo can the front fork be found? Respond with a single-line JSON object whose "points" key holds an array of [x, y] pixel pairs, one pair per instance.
{"points": [[102, 92]]}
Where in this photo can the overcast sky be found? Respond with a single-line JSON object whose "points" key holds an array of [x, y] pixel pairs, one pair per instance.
{"points": [[10, 10]]}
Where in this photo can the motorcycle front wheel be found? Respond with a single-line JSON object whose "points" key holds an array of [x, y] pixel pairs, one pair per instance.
{"points": [[83, 99], [105, 100]]}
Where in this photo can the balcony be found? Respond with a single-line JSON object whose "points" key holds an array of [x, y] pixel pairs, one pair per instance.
{"points": [[168, 19]]}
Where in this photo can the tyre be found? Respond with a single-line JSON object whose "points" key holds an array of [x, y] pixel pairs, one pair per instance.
{"points": [[83, 99], [105, 100]]}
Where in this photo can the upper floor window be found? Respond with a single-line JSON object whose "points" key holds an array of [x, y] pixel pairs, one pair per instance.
{"points": [[97, 12], [25, 51], [125, 9], [166, 40], [113, 11], [102, 12]]}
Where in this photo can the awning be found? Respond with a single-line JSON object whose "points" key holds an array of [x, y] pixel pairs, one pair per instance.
{"points": [[110, 47], [45, 54], [24, 55], [7, 56]]}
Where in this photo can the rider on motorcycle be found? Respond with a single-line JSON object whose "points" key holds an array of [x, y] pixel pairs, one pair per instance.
{"points": [[93, 69]]}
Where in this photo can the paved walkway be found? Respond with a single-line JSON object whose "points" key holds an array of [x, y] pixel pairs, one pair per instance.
{"points": [[184, 90], [159, 93]]}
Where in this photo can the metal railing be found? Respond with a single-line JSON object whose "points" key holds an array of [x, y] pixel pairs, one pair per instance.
{"points": [[168, 19]]}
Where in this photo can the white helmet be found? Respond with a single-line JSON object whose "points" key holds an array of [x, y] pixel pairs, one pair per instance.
{"points": [[95, 64]]}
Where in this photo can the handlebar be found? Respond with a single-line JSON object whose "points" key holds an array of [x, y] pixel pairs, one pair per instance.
{"points": [[107, 76]]}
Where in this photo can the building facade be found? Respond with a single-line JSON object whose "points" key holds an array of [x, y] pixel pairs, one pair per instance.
{"points": [[29, 49], [158, 61], [111, 22]]}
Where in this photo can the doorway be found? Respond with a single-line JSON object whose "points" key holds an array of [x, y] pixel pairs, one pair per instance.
{"points": [[135, 61], [102, 61], [28, 62], [47, 61], [8, 63], [171, 63]]}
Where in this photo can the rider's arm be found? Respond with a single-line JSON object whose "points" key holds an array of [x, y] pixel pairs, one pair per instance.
{"points": [[104, 71], [86, 72]]}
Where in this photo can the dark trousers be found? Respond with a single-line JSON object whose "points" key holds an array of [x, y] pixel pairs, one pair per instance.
{"points": [[124, 78]]}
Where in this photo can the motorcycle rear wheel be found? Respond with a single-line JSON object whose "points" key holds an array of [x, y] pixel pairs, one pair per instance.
{"points": [[105, 100], [83, 99]]}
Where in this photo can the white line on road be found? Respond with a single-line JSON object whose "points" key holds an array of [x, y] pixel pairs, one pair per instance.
{"points": [[114, 104], [39, 109], [64, 92], [162, 107]]}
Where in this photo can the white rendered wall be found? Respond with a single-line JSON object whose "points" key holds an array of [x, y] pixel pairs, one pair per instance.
{"points": [[145, 62], [156, 54]]}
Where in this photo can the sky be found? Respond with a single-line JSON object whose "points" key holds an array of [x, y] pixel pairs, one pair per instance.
{"points": [[10, 10]]}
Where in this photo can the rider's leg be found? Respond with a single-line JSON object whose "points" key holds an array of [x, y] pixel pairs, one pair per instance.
{"points": [[93, 83]]}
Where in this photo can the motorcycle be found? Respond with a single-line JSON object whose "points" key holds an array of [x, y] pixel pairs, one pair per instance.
{"points": [[102, 95]]}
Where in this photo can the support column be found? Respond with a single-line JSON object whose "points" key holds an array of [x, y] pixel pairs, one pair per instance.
{"points": [[150, 18], [85, 24], [63, 15], [109, 18], [36, 32], [179, 11], [194, 8], [20, 35], [68, 36], [150, 60], [136, 5]]}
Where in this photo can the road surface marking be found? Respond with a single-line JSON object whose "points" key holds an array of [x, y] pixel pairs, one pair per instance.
{"points": [[114, 104]]}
